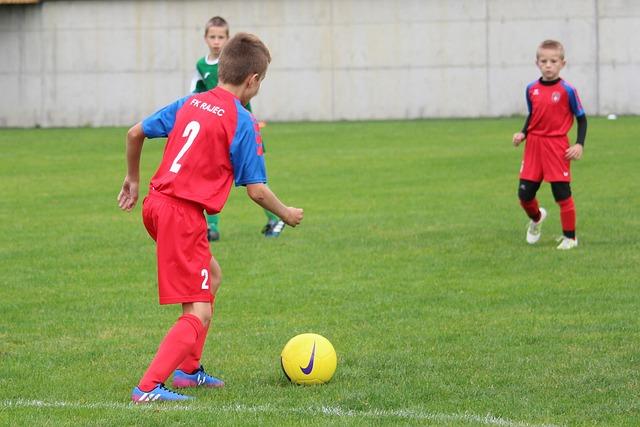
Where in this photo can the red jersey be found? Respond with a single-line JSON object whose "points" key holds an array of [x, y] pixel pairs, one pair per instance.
{"points": [[552, 106], [212, 141]]}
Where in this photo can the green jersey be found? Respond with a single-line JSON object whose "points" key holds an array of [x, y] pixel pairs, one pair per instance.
{"points": [[206, 76]]}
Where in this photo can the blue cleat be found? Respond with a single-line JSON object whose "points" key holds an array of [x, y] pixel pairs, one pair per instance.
{"points": [[158, 394], [273, 228], [213, 235], [198, 379]]}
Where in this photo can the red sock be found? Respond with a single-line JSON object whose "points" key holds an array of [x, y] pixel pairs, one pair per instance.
{"points": [[174, 348], [191, 363], [568, 217], [531, 208]]}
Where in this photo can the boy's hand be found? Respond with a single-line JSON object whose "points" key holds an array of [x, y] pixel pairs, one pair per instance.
{"points": [[294, 216], [518, 138], [128, 196], [574, 152]]}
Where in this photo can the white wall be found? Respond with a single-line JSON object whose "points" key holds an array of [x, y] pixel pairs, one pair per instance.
{"points": [[74, 63]]}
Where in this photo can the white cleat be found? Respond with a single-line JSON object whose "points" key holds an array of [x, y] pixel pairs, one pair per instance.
{"points": [[534, 228], [566, 243]]}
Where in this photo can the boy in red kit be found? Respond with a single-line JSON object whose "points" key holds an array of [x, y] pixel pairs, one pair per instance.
{"points": [[212, 141], [552, 103]]}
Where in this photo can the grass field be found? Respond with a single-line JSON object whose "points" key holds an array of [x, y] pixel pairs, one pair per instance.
{"points": [[411, 260]]}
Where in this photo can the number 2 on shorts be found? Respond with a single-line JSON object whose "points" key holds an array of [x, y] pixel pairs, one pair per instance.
{"points": [[205, 283]]}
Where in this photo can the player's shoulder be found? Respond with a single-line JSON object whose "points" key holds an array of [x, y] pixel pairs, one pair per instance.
{"points": [[245, 117], [201, 64], [533, 83], [568, 86], [242, 110], [531, 88], [179, 103]]}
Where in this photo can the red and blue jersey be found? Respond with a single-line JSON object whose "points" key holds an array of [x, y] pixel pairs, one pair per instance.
{"points": [[212, 141], [552, 106]]}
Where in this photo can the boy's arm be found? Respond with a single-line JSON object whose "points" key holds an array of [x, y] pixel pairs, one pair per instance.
{"points": [[575, 151], [582, 129], [526, 124], [518, 137], [157, 125], [263, 196], [128, 196]]}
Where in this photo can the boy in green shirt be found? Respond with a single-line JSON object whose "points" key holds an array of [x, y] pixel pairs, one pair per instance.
{"points": [[216, 35]]}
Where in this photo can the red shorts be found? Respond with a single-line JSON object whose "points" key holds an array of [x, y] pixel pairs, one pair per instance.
{"points": [[544, 159], [180, 231]]}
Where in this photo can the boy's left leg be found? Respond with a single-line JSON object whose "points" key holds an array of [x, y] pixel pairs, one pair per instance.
{"points": [[213, 232], [190, 372], [527, 194], [564, 199]]}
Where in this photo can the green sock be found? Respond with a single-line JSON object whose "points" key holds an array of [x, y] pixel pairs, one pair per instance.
{"points": [[271, 216], [212, 222]]}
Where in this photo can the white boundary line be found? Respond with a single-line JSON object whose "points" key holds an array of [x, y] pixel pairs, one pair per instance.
{"points": [[406, 414]]}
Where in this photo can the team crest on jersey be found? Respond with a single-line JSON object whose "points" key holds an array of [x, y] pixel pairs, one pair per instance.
{"points": [[536, 92], [555, 97]]}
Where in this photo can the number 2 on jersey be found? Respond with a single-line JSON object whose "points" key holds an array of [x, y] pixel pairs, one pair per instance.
{"points": [[190, 132]]}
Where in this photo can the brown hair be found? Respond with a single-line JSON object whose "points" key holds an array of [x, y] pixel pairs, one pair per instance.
{"points": [[242, 56], [216, 21], [552, 44]]}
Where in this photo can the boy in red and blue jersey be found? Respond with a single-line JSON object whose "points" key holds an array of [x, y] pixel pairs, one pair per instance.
{"points": [[213, 142], [552, 104]]}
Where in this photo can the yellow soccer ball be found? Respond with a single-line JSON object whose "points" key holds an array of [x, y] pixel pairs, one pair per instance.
{"points": [[308, 359]]}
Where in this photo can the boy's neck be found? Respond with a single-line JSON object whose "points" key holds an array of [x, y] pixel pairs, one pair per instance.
{"points": [[211, 57], [549, 82], [237, 91]]}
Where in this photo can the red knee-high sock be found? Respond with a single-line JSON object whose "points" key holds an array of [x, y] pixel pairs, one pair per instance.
{"points": [[531, 208], [191, 363], [568, 217], [174, 348]]}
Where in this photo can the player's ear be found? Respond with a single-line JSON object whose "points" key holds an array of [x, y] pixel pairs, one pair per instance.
{"points": [[253, 79]]}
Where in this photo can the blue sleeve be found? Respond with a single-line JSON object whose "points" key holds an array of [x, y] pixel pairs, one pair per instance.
{"points": [[246, 151], [574, 101], [160, 123], [526, 95]]}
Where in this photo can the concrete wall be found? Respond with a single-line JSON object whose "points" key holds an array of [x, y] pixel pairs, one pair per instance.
{"points": [[71, 63]]}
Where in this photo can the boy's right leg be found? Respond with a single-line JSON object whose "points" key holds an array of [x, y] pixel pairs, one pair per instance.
{"points": [[527, 194], [190, 372], [213, 232], [175, 346]]}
